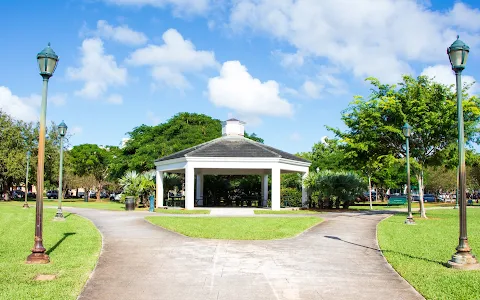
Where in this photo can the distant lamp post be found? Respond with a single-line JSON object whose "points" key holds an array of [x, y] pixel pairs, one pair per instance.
{"points": [[407, 132], [62, 130], [25, 205], [47, 62], [463, 258]]}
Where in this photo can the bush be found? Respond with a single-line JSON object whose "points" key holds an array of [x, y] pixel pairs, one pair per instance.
{"points": [[292, 195]]}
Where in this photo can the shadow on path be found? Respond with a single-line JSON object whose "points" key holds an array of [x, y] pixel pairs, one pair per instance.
{"points": [[385, 250], [65, 235]]}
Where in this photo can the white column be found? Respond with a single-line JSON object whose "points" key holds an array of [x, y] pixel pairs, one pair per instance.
{"points": [[265, 190], [189, 186], [304, 191], [199, 190], [159, 182], [275, 188]]}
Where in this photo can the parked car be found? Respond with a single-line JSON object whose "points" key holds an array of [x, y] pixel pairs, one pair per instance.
{"points": [[92, 194], [103, 195], [17, 194], [115, 196], [52, 194], [426, 198], [31, 195], [81, 194]]}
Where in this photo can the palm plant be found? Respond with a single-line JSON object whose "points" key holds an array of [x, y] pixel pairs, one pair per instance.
{"points": [[137, 185], [343, 187]]}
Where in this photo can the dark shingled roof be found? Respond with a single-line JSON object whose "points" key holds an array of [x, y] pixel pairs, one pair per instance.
{"points": [[232, 147]]}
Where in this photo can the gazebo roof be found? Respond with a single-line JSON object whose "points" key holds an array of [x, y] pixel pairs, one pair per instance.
{"points": [[233, 146]]}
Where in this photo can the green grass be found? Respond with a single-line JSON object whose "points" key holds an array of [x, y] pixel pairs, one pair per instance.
{"points": [[285, 212], [183, 211], [73, 247], [419, 252], [242, 228]]}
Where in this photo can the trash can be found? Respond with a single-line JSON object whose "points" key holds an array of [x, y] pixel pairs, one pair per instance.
{"points": [[151, 199], [129, 203]]}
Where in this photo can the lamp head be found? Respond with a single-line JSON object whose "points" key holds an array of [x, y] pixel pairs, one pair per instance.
{"points": [[47, 61], [458, 54], [407, 130], [62, 129]]}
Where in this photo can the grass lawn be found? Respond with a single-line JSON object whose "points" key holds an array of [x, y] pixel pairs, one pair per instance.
{"points": [[236, 228], [183, 211], [284, 212], [419, 252], [73, 247]]}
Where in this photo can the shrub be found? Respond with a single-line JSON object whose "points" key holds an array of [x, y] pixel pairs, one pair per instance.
{"points": [[292, 195]]}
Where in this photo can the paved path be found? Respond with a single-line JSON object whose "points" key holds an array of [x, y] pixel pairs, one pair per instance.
{"points": [[336, 260]]}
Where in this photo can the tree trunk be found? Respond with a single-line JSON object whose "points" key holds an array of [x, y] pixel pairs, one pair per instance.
{"points": [[99, 187], [370, 190], [420, 195]]}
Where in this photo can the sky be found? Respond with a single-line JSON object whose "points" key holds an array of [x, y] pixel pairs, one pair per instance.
{"points": [[286, 67]]}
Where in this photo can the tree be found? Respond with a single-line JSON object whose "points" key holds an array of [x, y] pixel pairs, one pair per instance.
{"points": [[375, 125], [328, 155], [148, 143], [91, 160]]}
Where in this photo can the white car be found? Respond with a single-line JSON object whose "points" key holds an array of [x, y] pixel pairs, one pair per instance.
{"points": [[115, 197]]}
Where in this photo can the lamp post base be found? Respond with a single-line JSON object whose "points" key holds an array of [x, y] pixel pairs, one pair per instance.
{"points": [[59, 215], [410, 221], [463, 261], [38, 258], [456, 206], [25, 205]]}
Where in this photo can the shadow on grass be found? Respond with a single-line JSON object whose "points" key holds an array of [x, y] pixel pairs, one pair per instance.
{"points": [[65, 235], [386, 250], [67, 215]]}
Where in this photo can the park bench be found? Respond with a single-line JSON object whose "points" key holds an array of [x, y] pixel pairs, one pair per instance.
{"points": [[397, 200]]}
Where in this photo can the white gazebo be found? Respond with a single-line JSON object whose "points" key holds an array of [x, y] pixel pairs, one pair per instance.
{"points": [[232, 154]]}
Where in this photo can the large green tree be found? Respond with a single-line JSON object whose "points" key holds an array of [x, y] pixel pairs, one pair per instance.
{"points": [[375, 124], [147, 143], [91, 160]]}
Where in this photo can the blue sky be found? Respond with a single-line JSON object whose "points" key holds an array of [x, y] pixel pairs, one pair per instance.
{"points": [[287, 68]]}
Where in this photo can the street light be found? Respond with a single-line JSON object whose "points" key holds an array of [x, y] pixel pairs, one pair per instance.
{"points": [[47, 62], [407, 132], [62, 130], [25, 205], [463, 258]]}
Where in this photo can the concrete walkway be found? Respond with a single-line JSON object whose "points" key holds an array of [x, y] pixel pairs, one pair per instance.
{"points": [[337, 259]]}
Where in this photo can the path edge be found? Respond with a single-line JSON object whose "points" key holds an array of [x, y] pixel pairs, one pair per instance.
{"points": [[386, 261]]}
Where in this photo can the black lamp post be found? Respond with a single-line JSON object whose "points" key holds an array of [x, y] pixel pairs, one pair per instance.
{"points": [[407, 132], [463, 258]]}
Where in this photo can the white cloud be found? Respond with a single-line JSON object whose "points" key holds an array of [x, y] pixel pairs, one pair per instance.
{"points": [[311, 89], [58, 99], [364, 37], [180, 7], [290, 59], [98, 70], [173, 59], [122, 34], [443, 74], [25, 109], [115, 99], [236, 89]]}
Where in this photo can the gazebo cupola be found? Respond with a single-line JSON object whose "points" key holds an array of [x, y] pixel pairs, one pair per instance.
{"points": [[233, 127]]}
